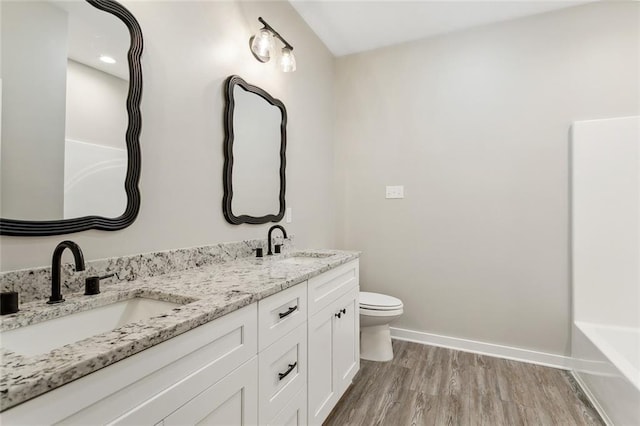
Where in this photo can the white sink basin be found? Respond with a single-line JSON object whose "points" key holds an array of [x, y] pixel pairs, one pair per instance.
{"points": [[47, 335]]}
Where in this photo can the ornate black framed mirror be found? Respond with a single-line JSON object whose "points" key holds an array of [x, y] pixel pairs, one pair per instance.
{"points": [[71, 121], [254, 154]]}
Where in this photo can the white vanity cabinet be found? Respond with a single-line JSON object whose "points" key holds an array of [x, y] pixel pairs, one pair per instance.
{"points": [[285, 360], [147, 387], [334, 351]]}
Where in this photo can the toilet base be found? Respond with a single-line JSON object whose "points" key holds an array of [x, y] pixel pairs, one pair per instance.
{"points": [[375, 343]]}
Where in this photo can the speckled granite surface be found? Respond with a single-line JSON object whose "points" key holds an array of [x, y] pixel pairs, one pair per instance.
{"points": [[35, 284], [208, 292]]}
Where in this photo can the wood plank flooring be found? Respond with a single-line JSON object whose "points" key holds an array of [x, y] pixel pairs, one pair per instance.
{"points": [[427, 385]]}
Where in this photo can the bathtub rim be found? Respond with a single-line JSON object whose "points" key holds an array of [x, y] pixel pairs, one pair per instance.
{"points": [[628, 370]]}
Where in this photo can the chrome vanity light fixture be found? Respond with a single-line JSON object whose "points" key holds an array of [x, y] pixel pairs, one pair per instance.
{"points": [[262, 47]]}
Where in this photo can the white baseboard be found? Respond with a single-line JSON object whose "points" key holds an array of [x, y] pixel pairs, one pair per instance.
{"points": [[490, 349]]}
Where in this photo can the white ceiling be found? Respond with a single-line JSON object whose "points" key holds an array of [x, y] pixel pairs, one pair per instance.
{"points": [[348, 27]]}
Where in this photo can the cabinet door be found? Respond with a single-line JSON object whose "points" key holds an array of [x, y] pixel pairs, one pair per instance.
{"points": [[346, 342], [334, 354], [322, 391], [294, 413], [231, 401], [217, 358]]}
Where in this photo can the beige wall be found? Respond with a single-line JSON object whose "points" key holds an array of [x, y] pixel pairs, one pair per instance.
{"points": [[190, 48], [475, 124]]}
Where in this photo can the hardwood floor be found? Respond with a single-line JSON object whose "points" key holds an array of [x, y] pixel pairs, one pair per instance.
{"points": [[427, 385]]}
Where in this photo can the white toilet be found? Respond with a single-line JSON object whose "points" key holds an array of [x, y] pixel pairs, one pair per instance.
{"points": [[376, 312]]}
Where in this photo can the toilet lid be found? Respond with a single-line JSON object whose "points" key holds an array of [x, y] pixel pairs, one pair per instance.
{"points": [[379, 301]]}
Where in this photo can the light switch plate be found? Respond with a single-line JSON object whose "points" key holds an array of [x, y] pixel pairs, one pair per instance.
{"points": [[288, 215], [395, 191]]}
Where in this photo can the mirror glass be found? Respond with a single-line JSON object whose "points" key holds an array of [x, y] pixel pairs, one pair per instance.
{"points": [[255, 149], [256, 152], [65, 80]]}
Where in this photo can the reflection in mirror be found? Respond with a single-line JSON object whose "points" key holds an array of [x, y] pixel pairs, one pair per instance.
{"points": [[69, 70], [254, 154], [64, 116]]}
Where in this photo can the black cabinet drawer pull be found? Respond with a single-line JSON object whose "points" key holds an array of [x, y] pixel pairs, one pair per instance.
{"points": [[338, 315], [289, 370], [344, 311], [289, 312]]}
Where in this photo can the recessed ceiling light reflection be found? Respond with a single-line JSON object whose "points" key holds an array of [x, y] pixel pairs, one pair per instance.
{"points": [[107, 59]]}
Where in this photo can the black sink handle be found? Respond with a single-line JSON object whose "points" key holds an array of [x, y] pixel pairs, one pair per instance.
{"points": [[289, 370], [289, 312]]}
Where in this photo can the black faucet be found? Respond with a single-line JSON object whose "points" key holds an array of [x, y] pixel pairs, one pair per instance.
{"points": [[269, 252], [56, 296]]}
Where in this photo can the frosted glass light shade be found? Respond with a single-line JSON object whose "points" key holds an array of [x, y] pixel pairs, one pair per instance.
{"points": [[262, 45], [287, 60]]}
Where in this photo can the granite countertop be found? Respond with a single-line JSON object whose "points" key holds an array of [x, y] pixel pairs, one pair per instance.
{"points": [[204, 293]]}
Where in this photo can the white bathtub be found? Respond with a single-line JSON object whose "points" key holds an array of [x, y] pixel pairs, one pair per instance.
{"points": [[607, 367], [605, 265]]}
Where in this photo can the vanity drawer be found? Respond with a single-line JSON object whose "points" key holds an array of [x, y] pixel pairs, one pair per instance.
{"points": [[281, 313], [282, 373], [327, 287]]}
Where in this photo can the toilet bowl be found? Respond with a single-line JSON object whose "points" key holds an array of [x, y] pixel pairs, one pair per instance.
{"points": [[376, 312]]}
